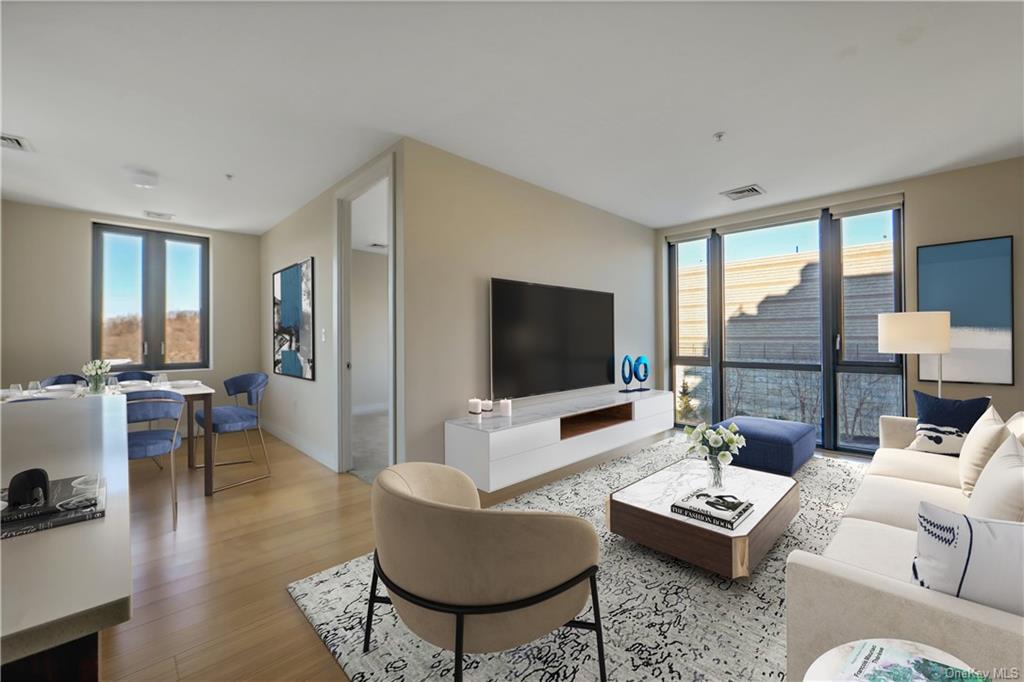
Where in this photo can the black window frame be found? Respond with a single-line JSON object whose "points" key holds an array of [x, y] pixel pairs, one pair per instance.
{"points": [[831, 364], [837, 364], [712, 358], [154, 272]]}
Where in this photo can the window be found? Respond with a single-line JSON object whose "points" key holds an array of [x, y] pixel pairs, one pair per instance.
{"points": [[781, 321], [772, 295], [150, 298], [771, 286], [691, 358], [868, 383]]}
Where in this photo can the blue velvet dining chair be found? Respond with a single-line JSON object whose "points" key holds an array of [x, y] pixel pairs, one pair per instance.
{"points": [[156, 406], [61, 379], [134, 375], [235, 418]]}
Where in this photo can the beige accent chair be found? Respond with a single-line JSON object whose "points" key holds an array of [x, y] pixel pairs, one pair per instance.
{"points": [[475, 580]]}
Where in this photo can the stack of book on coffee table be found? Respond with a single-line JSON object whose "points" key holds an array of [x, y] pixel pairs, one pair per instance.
{"points": [[716, 507]]}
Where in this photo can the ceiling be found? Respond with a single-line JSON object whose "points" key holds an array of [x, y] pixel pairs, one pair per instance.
{"points": [[614, 104]]}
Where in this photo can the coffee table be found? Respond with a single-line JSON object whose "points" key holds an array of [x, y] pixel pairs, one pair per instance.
{"points": [[642, 512]]}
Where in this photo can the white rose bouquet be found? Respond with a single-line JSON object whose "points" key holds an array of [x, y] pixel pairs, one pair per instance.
{"points": [[96, 372], [716, 446]]}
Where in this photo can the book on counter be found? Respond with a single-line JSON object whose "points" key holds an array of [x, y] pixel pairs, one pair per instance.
{"points": [[875, 661], [717, 508], [66, 505]]}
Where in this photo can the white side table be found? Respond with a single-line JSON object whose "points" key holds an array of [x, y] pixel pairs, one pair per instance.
{"points": [[829, 665]]}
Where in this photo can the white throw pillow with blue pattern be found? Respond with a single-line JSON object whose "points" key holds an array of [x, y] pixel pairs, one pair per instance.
{"points": [[980, 560]]}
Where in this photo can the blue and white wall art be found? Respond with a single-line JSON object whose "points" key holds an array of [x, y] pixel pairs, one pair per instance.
{"points": [[293, 321], [973, 280]]}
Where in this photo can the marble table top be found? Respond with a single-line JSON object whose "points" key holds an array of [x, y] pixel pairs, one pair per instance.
{"points": [[656, 493]]}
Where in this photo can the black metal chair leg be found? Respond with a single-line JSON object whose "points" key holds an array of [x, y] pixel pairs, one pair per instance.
{"points": [[369, 611], [458, 646], [597, 629]]}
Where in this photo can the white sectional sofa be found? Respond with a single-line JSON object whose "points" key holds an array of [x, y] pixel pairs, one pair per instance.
{"points": [[861, 586]]}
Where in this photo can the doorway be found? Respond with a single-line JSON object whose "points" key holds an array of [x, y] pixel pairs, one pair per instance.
{"points": [[367, 319]]}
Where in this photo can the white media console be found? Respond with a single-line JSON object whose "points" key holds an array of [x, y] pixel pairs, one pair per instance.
{"points": [[499, 451]]}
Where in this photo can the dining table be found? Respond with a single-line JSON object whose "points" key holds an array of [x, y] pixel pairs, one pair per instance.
{"points": [[193, 392]]}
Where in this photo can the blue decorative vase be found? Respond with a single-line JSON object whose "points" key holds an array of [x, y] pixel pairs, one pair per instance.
{"points": [[641, 371], [627, 373]]}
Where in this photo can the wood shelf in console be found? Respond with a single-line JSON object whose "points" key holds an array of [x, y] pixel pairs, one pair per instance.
{"points": [[586, 422]]}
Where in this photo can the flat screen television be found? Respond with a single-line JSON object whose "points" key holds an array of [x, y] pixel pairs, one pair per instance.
{"points": [[546, 339]]}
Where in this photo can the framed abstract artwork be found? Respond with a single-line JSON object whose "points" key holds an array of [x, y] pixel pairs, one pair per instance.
{"points": [[973, 280], [293, 321]]}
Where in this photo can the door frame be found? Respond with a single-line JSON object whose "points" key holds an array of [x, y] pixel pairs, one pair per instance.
{"points": [[383, 167]]}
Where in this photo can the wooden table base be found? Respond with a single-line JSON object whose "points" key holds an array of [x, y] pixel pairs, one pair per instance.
{"points": [[701, 545]]}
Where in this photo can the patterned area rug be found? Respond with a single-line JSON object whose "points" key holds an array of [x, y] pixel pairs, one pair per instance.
{"points": [[663, 619]]}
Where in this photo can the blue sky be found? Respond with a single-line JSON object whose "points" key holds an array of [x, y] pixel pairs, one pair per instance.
{"points": [[122, 275], [777, 241]]}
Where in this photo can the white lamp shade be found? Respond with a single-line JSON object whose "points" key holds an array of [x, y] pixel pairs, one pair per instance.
{"points": [[920, 332]]}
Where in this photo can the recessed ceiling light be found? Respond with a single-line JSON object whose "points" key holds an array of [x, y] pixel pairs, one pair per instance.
{"points": [[144, 179], [156, 215]]}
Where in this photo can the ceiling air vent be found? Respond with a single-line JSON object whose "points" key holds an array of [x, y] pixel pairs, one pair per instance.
{"points": [[15, 142], [743, 192], [156, 215]]}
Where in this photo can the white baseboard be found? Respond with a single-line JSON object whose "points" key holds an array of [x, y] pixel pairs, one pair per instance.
{"points": [[369, 409], [307, 447]]}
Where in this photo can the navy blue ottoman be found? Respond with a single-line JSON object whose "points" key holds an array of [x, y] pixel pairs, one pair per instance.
{"points": [[773, 445]]}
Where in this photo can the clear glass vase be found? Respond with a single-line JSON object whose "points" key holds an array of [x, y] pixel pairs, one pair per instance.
{"points": [[97, 383], [715, 470]]}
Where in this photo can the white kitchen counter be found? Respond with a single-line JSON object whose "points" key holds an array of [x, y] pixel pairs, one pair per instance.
{"points": [[62, 584]]}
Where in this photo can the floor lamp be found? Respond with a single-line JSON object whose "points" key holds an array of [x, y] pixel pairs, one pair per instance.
{"points": [[920, 332]]}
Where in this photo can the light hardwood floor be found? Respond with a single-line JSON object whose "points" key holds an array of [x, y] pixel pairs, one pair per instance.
{"points": [[209, 601]]}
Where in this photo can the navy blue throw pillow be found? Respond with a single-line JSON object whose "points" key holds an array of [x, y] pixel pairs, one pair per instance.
{"points": [[943, 424]]}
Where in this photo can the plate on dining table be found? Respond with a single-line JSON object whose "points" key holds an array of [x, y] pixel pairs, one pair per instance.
{"points": [[134, 382], [186, 383], [29, 396], [60, 387]]}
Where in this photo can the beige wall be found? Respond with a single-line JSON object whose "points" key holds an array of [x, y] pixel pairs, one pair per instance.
{"points": [[971, 203], [47, 294], [304, 413], [466, 223], [369, 289]]}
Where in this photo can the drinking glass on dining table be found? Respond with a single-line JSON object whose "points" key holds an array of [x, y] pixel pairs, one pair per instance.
{"points": [[81, 386], [15, 390], [113, 385], [34, 387], [161, 380]]}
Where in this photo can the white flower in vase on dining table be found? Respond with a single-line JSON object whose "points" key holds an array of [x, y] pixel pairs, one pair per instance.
{"points": [[96, 368], [96, 372]]}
